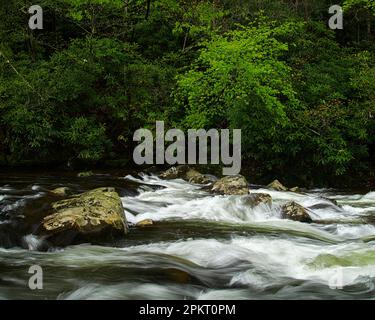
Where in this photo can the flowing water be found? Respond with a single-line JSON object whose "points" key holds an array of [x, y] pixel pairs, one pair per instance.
{"points": [[201, 246]]}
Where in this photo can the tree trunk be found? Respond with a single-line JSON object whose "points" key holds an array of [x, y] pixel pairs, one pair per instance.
{"points": [[148, 9]]}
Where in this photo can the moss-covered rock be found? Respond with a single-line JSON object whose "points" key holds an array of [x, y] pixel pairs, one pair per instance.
{"points": [[231, 185], [85, 174], [96, 213]]}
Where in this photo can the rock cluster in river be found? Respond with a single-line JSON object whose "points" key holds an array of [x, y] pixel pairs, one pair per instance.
{"points": [[186, 173], [229, 185], [238, 185], [99, 212]]}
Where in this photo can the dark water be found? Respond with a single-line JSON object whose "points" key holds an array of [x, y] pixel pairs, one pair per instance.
{"points": [[201, 246]]}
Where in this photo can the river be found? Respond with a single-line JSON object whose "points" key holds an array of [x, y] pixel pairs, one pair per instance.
{"points": [[200, 247]]}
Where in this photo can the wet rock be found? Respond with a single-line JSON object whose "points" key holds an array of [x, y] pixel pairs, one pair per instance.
{"points": [[255, 199], [231, 185], [85, 174], [175, 172], [295, 189], [277, 186], [186, 173], [145, 223], [61, 192], [193, 176], [294, 211], [151, 170], [95, 213]]}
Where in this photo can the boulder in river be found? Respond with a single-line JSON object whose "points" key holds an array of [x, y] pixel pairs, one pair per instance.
{"points": [[94, 213], [186, 173], [61, 192], [193, 176], [277, 186], [231, 185], [255, 199], [145, 223], [175, 172], [85, 174], [294, 211]]}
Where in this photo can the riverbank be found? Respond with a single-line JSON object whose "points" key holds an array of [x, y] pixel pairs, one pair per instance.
{"points": [[256, 174]]}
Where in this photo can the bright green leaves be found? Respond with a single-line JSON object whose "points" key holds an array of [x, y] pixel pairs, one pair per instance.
{"points": [[367, 4], [199, 19], [240, 81], [290, 88]]}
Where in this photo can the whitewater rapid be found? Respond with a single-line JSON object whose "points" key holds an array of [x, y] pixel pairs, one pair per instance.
{"points": [[206, 246]]}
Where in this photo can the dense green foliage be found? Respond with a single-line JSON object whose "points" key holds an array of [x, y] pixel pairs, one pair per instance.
{"points": [[303, 95]]}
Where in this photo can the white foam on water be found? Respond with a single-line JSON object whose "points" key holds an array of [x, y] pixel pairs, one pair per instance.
{"points": [[233, 268], [277, 259], [217, 208], [181, 200], [355, 231], [33, 242], [128, 291], [369, 196], [13, 206], [6, 188], [357, 198]]}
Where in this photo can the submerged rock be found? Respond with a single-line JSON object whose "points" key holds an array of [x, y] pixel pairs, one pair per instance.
{"points": [[231, 185], [296, 212], [96, 213], [332, 201], [255, 199], [277, 186]]}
